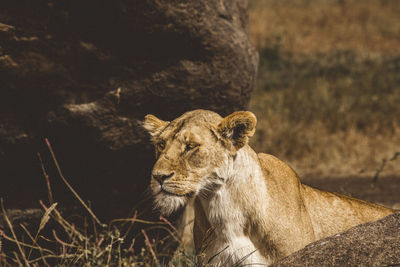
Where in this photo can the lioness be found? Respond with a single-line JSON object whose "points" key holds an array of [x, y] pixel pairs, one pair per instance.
{"points": [[255, 205]]}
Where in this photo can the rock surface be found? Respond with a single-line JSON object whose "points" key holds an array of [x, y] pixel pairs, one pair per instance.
{"points": [[82, 73], [371, 244]]}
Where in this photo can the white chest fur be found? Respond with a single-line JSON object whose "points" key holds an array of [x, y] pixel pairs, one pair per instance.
{"points": [[229, 240], [228, 217]]}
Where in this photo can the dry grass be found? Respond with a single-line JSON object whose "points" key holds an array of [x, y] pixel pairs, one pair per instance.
{"points": [[69, 245], [329, 86], [319, 26], [86, 241]]}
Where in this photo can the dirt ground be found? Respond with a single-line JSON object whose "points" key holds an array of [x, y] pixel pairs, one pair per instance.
{"points": [[386, 191]]}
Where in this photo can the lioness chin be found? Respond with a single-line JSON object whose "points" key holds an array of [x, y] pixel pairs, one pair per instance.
{"points": [[248, 207]]}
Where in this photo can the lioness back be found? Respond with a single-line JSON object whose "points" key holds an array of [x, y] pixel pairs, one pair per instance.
{"points": [[329, 213]]}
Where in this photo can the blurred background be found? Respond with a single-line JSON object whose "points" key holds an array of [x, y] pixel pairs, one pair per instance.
{"points": [[327, 95]]}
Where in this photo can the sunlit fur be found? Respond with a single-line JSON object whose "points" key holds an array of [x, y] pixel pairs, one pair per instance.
{"points": [[249, 208]]}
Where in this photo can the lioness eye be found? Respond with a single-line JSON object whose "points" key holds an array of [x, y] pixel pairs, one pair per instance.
{"points": [[161, 145], [190, 146]]}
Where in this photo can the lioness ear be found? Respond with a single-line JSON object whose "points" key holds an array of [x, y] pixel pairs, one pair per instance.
{"points": [[238, 127], [154, 125]]}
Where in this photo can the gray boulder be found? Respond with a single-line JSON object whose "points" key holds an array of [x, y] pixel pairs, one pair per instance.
{"points": [[371, 244], [83, 73]]}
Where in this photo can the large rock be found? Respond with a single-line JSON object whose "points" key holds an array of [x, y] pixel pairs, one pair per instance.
{"points": [[371, 244], [82, 73]]}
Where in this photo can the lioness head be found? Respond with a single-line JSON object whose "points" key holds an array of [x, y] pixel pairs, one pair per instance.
{"points": [[193, 153]]}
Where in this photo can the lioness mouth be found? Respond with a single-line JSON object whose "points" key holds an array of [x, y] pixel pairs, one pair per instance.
{"points": [[188, 195]]}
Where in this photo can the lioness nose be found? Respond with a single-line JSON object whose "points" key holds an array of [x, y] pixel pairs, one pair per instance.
{"points": [[161, 177]]}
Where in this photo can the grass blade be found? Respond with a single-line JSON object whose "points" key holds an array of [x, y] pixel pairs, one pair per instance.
{"points": [[69, 186], [12, 232]]}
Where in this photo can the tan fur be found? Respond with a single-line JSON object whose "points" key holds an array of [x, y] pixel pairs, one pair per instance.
{"points": [[247, 207]]}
